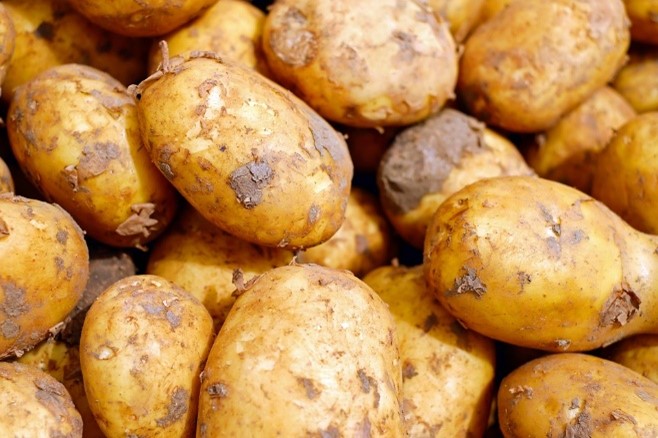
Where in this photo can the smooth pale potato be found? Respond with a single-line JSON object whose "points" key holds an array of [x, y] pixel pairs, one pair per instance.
{"points": [[45, 270], [7, 41], [644, 20], [203, 259], [538, 264], [6, 182], [637, 81], [143, 346], [305, 351], [447, 371], [625, 178], [431, 160], [334, 55], [567, 151], [33, 404], [536, 60], [230, 28], [577, 395], [462, 15], [639, 353], [74, 131], [50, 33], [367, 146], [248, 155], [362, 243]]}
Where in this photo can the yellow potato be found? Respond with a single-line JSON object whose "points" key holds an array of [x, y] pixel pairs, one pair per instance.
{"points": [[74, 131], [447, 371], [6, 182], [644, 20], [637, 81], [462, 15], [491, 8], [362, 63], [7, 41], [305, 351], [639, 353], [536, 60], [143, 346]]}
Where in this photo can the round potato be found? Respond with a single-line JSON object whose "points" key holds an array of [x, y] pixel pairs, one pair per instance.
{"points": [[143, 346], [639, 353], [305, 351], [7, 41], [367, 146], [637, 81], [462, 15], [75, 134], [644, 20], [333, 54], [6, 182], [249, 156], [536, 60], [32, 403], [45, 271], [492, 7]]}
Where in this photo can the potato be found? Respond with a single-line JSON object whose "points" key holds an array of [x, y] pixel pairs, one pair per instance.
{"points": [[34, 404], [637, 81], [644, 20], [576, 395], [50, 33], [447, 371], [363, 243], [231, 28], [462, 15], [74, 131], [367, 146], [492, 7], [536, 60], [142, 348], [203, 260], [7, 41], [335, 55], [249, 156], [6, 182], [567, 151], [626, 177], [45, 269], [639, 353], [539, 264], [431, 160], [305, 351]]}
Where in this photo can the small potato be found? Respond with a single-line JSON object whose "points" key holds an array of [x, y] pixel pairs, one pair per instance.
{"points": [[74, 131], [44, 271], [6, 182], [447, 371], [361, 244], [305, 351], [639, 353], [367, 146], [576, 395], [637, 81], [567, 152], [536, 60], [7, 41], [644, 20], [337, 56], [142, 348], [34, 404], [462, 15]]}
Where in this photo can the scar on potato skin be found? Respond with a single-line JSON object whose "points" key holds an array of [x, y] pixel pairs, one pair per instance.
{"points": [[249, 180], [292, 41], [139, 222], [469, 282]]}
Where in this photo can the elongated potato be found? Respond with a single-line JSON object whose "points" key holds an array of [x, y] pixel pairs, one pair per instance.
{"points": [[462, 15], [7, 41], [249, 156], [45, 269], [305, 351], [576, 395], [644, 20], [142, 348], [447, 372], [637, 81], [6, 182], [536, 60], [639, 353]]}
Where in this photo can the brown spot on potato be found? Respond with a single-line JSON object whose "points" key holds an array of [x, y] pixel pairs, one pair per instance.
{"points": [[173, 318], [139, 222], [330, 432], [14, 303], [71, 176], [177, 408], [309, 386], [292, 41], [469, 282], [4, 228], [313, 214], [521, 391], [577, 236], [408, 370], [619, 415], [622, 305], [9, 329], [45, 30], [524, 278], [248, 182], [430, 322], [364, 379], [59, 264], [62, 236], [364, 430], [580, 427], [113, 103], [95, 159], [554, 247], [217, 390], [205, 87]]}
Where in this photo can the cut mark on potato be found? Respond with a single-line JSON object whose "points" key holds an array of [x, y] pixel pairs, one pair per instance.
{"points": [[248, 182], [469, 282], [620, 307]]}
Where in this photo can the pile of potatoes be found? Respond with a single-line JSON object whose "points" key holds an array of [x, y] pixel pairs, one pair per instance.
{"points": [[420, 218]]}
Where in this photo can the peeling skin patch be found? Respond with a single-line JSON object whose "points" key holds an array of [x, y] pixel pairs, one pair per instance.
{"points": [[580, 427], [292, 41], [139, 222], [469, 282], [62, 236], [311, 391], [96, 159], [619, 415], [177, 408], [9, 329], [248, 182], [217, 390], [14, 303], [620, 307]]}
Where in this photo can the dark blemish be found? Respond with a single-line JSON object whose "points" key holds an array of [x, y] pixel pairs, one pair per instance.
{"points": [[125, 53], [217, 390], [619, 415], [177, 408], [45, 30], [96, 159], [9, 329], [577, 236], [620, 307], [309, 386], [330, 432], [581, 427], [293, 42], [248, 182], [59, 264], [364, 429], [364, 379], [139, 222], [408, 370], [313, 214], [62, 236], [557, 229], [174, 320], [430, 322], [524, 278], [163, 162], [4, 229], [165, 168], [71, 176], [14, 304], [468, 283], [361, 243], [554, 247], [575, 403]]}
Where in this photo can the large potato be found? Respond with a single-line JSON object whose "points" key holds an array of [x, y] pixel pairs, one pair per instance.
{"points": [[462, 15], [644, 20], [639, 353], [305, 351], [366, 63], [6, 182], [7, 41], [74, 131], [143, 346], [536, 60], [249, 156], [44, 271], [447, 371], [637, 81]]}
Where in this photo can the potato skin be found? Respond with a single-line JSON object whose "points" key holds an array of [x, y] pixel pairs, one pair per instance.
{"points": [[637, 81], [639, 353], [48, 271], [644, 20], [306, 350], [7, 41], [317, 49], [231, 147], [491, 8], [33, 403], [536, 60], [447, 371], [577, 395], [142, 348], [462, 15], [6, 182]]}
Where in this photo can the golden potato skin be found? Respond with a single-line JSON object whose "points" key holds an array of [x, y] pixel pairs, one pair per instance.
{"points": [[318, 49], [577, 395], [249, 156], [501, 254], [447, 371], [50, 33], [536, 60], [637, 81], [74, 131], [566, 152], [639, 353], [33, 404], [644, 20], [305, 351], [6, 182], [142, 349], [202, 259], [462, 15], [48, 271], [492, 7], [7, 41]]}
